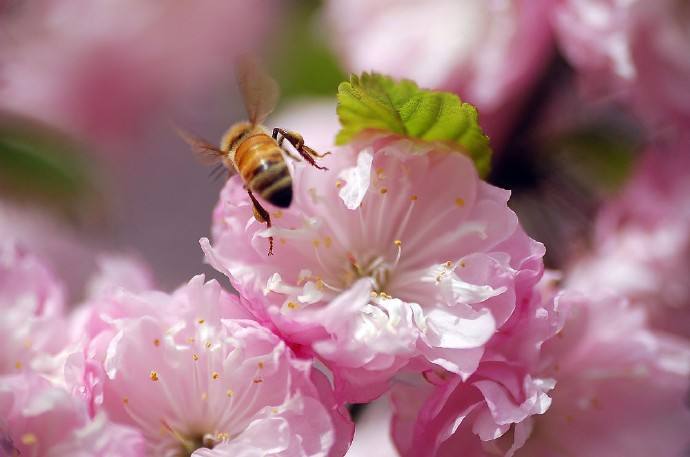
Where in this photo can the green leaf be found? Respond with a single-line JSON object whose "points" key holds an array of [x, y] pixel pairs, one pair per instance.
{"points": [[374, 101], [39, 164]]}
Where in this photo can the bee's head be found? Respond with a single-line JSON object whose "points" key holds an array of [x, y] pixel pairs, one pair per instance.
{"points": [[232, 138]]}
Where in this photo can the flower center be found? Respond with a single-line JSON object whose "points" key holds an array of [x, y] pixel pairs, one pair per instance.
{"points": [[375, 267], [189, 444]]}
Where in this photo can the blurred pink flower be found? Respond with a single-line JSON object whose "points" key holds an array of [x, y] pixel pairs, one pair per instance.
{"points": [[32, 328], [642, 244], [619, 390], [56, 243], [490, 52], [399, 253], [634, 50], [41, 420], [104, 70], [215, 383]]}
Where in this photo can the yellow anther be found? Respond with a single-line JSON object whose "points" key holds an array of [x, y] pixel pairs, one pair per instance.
{"points": [[339, 183], [316, 243], [208, 345], [327, 241], [215, 375], [383, 190], [195, 357], [373, 294], [125, 401], [448, 264], [292, 305], [201, 321], [156, 342], [460, 202], [278, 214], [463, 264], [260, 365], [153, 375], [190, 340], [229, 393], [413, 198], [398, 243], [18, 365], [29, 439]]}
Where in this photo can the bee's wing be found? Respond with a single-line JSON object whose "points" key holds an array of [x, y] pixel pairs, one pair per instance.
{"points": [[205, 151], [259, 91]]}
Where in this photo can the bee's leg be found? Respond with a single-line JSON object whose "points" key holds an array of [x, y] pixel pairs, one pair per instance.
{"points": [[261, 215], [296, 140], [281, 132]]}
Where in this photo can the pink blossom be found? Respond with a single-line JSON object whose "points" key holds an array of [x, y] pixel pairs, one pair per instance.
{"points": [[489, 52], [195, 375], [503, 395], [31, 303], [642, 244], [55, 242], [634, 50], [615, 388], [106, 77], [41, 420], [398, 253]]}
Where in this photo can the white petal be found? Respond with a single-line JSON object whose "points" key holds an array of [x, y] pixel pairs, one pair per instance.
{"points": [[357, 180], [454, 290], [452, 331]]}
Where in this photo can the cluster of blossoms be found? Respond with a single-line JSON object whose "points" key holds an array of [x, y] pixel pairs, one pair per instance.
{"points": [[397, 273], [401, 278]]}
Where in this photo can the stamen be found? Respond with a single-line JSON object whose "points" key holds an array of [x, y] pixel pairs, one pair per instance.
{"points": [[459, 202], [18, 365], [153, 375], [323, 266], [398, 244], [215, 375], [156, 342], [189, 445], [383, 190], [195, 357], [229, 393], [201, 321]]}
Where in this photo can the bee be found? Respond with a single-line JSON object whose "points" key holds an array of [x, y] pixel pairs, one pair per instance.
{"points": [[247, 147]]}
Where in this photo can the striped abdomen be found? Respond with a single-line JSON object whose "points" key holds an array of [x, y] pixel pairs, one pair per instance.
{"points": [[262, 166]]}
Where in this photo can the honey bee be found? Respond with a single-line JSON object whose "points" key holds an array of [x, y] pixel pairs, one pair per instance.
{"points": [[247, 147]]}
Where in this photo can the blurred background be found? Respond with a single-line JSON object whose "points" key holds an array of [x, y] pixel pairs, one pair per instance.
{"points": [[89, 163]]}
